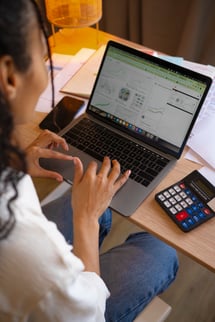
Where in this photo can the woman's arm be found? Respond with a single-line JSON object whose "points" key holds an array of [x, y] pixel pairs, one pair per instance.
{"points": [[91, 194]]}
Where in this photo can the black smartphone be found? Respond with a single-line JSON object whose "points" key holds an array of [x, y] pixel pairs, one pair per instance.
{"points": [[62, 114]]}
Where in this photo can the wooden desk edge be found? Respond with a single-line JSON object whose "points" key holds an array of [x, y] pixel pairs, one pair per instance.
{"points": [[199, 244]]}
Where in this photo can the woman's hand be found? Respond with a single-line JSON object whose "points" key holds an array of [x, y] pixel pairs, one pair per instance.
{"points": [[42, 148], [93, 191], [91, 194]]}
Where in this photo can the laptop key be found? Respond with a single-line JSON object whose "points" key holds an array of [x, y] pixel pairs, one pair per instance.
{"points": [[152, 172]]}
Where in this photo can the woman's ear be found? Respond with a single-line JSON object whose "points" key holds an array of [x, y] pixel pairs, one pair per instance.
{"points": [[8, 77]]}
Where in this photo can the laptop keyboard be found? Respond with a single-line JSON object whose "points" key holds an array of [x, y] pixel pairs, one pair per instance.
{"points": [[98, 142]]}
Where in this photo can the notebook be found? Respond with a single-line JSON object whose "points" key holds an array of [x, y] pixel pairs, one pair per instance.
{"points": [[140, 112], [81, 84]]}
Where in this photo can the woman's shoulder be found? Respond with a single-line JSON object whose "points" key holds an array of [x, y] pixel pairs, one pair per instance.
{"points": [[25, 193], [34, 240], [34, 256]]}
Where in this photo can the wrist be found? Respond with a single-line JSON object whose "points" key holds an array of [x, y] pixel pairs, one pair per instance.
{"points": [[85, 218], [86, 242], [85, 227]]}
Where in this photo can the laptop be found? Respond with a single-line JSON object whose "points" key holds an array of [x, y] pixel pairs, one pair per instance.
{"points": [[141, 112]]}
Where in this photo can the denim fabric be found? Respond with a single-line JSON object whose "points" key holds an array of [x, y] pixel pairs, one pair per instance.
{"points": [[60, 212], [134, 272]]}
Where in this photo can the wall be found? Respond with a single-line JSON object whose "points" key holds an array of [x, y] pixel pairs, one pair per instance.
{"points": [[184, 28]]}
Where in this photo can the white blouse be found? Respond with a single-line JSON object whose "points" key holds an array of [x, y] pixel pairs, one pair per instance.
{"points": [[40, 278]]}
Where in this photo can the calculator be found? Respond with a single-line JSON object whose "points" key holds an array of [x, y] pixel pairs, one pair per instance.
{"points": [[189, 202]]}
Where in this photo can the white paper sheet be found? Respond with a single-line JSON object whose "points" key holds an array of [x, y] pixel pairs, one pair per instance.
{"points": [[82, 82], [207, 171], [64, 68], [209, 174], [202, 142], [194, 157], [44, 103]]}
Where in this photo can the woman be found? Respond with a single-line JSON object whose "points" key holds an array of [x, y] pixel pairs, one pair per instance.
{"points": [[43, 278]]}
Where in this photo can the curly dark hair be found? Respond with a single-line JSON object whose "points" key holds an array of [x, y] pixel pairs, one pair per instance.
{"points": [[15, 19]]}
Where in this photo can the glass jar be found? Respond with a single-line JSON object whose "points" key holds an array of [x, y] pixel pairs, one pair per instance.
{"points": [[73, 13]]}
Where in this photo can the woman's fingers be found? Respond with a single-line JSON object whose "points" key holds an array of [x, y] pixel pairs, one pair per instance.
{"points": [[105, 168], [122, 180], [113, 174], [79, 171], [116, 176], [93, 190], [46, 153], [115, 170], [48, 139]]}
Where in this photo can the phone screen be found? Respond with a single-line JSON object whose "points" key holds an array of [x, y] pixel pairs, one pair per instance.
{"points": [[62, 114]]}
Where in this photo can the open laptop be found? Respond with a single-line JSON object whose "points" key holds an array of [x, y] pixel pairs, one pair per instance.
{"points": [[144, 109]]}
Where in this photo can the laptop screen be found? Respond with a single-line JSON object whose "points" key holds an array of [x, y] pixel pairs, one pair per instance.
{"points": [[150, 98]]}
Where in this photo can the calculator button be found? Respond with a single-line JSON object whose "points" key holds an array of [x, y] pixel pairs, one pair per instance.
{"points": [[161, 197], [177, 188], [182, 185], [184, 204], [178, 198], [183, 194], [196, 218], [190, 222], [167, 203], [189, 201], [172, 200], [172, 191], [185, 225], [201, 215], [173, 210], [181, 215], [178, 207], [194, 207], [189, 211], [166, 194], [194, 198], [207, 211], [187, 191]]}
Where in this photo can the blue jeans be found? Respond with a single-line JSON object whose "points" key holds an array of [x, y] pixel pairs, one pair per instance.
{"points": [[134, 272]]}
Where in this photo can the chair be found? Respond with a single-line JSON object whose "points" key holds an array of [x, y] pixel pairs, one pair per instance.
{"points": [[156, 311]]}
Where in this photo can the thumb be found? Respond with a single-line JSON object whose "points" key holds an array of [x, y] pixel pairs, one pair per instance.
{"points": [[79, 171]]}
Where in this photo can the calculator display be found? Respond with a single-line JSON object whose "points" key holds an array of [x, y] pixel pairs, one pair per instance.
{"points": [[204, 188]]}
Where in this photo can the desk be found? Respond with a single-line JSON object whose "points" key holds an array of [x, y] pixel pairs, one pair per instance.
{"points": [[198, 244]]}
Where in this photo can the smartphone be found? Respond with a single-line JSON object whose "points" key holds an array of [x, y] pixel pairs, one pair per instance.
{"points": [[62, 114]]}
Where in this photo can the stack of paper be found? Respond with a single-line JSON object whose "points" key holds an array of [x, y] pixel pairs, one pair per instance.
{"points": [[81, 84], [65, 66], [201, 141]]}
